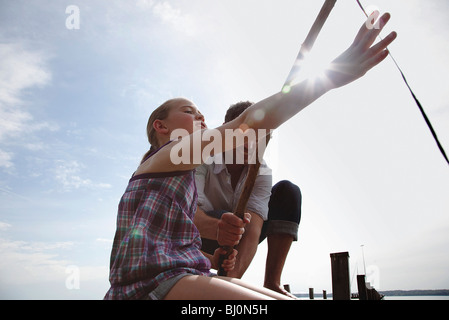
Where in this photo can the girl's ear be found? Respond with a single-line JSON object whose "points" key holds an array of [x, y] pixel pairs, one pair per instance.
{"points": [[159, 126]]}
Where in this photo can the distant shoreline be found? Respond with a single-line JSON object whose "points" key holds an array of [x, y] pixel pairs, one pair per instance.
{"points": [[392, 293], [438, 292]]}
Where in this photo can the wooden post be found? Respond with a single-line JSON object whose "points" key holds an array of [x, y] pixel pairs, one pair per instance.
{"points": [[311, 296], [287, 288], [341, 289], [361, 285], [324, 294]]}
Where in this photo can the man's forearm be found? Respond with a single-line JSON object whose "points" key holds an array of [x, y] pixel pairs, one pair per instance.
{"points": [[207, 225], [248, 246]]}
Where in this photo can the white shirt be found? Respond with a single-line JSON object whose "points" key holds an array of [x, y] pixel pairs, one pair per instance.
{"points": [[215, 191]]}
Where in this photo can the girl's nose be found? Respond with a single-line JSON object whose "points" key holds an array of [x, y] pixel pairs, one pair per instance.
{"points": [[200, 117]]}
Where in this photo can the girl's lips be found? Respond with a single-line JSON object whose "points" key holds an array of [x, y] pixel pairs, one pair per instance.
{"points": [[201, 125]]}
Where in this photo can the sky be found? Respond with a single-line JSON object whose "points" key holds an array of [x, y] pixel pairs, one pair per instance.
{"points": [[75, 96]]}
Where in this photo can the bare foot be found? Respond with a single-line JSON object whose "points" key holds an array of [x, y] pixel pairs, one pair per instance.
{"points": [[278, 288]]}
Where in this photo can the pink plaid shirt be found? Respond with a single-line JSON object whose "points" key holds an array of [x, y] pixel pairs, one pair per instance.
{"points": [[155, 238]]}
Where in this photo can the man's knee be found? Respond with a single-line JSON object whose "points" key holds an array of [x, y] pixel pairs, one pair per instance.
{"points": [[287, 190], [285, 202]]}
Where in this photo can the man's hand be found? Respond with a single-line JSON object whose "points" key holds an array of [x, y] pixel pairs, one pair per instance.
{"points": [[231, 228], [361, 56]]}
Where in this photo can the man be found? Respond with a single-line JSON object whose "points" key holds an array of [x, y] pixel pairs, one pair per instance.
{"points": [[274, 212]]}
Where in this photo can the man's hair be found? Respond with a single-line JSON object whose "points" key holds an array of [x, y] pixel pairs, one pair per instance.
{"points": [[236, 109]]}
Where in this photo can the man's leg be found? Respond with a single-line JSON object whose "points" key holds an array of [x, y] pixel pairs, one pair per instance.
{"points": [[281, 230]]}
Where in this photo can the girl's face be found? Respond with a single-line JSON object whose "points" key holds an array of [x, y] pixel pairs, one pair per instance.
{"points": [[185, 115]]}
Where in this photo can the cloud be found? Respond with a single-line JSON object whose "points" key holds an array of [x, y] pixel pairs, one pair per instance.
{"points": [[4, 226], [174, 17], [67, 173], [5, 159], [170, 15], [145, 4], [20, 69], [49, 269], [29, 262], [100, 240], [36, 270]]}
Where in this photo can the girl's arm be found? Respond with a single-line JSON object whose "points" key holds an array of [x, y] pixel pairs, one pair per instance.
{"points": [[352, 64], [271, 112]]}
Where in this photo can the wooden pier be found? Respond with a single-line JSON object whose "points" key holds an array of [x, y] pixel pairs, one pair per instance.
{"points": [[341, 285]]}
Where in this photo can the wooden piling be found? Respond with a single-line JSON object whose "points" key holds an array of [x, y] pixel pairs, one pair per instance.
{"points": [[311, 296], [341, 289], [324, 294], [361, 285]]}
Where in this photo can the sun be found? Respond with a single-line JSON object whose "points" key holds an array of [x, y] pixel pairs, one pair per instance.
{"points": [[311, 68]]}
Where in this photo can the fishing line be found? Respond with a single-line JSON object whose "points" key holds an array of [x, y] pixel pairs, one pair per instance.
{"points": [[429, 124]]}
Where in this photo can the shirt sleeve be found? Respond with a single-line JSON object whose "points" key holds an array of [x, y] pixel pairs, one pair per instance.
{"points": [[258, 201], [201, 174]]}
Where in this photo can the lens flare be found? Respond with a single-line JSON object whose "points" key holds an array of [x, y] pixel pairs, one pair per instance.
{"points": [[310, 68], [259, 115]]}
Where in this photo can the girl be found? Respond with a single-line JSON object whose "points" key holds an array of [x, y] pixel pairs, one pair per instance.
{"points": [[156, 251]]}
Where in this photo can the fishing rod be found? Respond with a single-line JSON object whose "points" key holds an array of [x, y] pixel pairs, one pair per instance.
{"points": [[308, 43], [254, 168], [306, 48]]}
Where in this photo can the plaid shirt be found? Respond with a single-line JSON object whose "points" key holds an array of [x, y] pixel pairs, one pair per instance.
{"points": [[155, 237]]}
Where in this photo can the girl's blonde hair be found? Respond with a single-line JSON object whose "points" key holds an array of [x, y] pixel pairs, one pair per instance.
{"points": [[160, 113]]}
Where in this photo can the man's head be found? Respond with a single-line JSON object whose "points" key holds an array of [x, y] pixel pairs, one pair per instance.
{"points": [[236, 109], [233, 112]]}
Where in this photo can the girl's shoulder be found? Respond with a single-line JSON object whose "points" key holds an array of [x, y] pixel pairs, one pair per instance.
{"points": [[164, 160]]}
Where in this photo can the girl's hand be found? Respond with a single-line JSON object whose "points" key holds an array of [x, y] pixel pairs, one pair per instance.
{"points": [[228, 264], [361, 56]]}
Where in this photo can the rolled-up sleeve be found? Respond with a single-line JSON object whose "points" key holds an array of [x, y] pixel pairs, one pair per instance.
{"points": [[201, 173]]}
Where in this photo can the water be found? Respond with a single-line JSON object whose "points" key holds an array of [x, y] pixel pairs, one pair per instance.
{"points": [[392, 298], [416, 298]]}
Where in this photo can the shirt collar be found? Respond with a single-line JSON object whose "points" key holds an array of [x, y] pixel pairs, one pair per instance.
{"points": [[221, 166]]}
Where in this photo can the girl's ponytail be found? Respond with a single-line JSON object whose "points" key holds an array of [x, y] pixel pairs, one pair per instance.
{"points": [[160, 113]]}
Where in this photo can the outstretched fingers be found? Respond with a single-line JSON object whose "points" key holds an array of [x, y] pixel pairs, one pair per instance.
{"points": [[370, 30], [378, 52], [362, 55], [383, 44]]}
